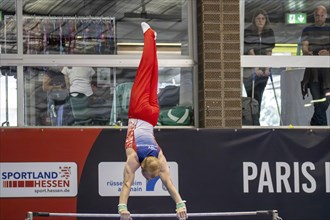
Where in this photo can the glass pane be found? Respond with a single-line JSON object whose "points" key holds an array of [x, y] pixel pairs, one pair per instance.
{"points": [[297, 29], [303, 109], [63, 96], [8, 31], [285, 18], [76, 96], [175, 89], [265, 107], [69, 35], [103, 27], [279, 99], [8, 96]]}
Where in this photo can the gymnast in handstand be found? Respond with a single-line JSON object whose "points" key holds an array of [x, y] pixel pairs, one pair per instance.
{"points": [[141, 147]]}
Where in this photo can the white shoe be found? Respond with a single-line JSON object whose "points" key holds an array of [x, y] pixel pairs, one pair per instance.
{"points": [[144, 26]]}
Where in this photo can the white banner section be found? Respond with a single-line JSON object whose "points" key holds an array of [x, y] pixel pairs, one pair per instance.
{"points": [[111, 181], [54, 179]]}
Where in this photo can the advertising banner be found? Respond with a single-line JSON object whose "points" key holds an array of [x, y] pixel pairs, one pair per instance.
{"points": [[215, 170], [111, 181], [38, 179]]}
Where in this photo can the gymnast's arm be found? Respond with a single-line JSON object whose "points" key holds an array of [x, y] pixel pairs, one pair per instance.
{"points": [[131, 166], [166, 179]]}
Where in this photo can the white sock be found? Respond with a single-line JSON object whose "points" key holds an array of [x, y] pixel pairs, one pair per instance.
{"points": [[144, 26]]}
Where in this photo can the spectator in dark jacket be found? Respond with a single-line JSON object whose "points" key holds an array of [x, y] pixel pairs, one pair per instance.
{"points": [[258, 40]]}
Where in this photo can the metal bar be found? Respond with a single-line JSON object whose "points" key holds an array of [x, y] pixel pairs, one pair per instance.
{"points": [[91, 60], [158, 215], [68, 18], [19, 29], [277, 105], [6, 122], [20, 96], [285, 61]]}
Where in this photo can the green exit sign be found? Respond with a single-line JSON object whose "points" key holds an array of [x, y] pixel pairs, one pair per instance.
{"points": [[296, 18]]}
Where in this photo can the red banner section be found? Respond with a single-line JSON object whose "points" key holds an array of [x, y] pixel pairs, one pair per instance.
{"points": [[33, 165]]}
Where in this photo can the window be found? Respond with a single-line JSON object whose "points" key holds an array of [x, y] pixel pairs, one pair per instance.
{"points": [[278, 51], [48, 103], [8, 30], [104, 36], [8, 91]]}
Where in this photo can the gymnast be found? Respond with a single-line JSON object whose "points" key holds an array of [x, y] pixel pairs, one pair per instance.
{"points": [[141, 147]]}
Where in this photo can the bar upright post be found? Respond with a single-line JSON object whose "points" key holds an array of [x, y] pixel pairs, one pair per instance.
{"points": [[29, 216]]}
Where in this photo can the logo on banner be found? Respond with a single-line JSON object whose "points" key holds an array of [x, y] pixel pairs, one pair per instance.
{"points": [[38, 179], [283, 177], [111, 181]]}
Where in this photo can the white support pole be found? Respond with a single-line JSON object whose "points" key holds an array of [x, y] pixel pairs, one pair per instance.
{"points": [[29, 216]]}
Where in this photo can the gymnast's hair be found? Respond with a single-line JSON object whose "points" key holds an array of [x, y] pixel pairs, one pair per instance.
{"points": [[151, 165]]}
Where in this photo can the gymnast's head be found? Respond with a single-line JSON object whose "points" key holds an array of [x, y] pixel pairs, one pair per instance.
{"points": [[150, 167]]}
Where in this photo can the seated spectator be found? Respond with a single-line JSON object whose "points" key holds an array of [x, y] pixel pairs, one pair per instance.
{"points": [[57, 95], [258, 40]]}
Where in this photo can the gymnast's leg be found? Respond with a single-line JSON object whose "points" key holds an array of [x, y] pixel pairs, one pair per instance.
{"points": [[144, 100]]}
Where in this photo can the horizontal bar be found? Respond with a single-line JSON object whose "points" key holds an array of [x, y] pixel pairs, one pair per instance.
{"points": [[91, 60], [62, 17], [158, 215]]}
